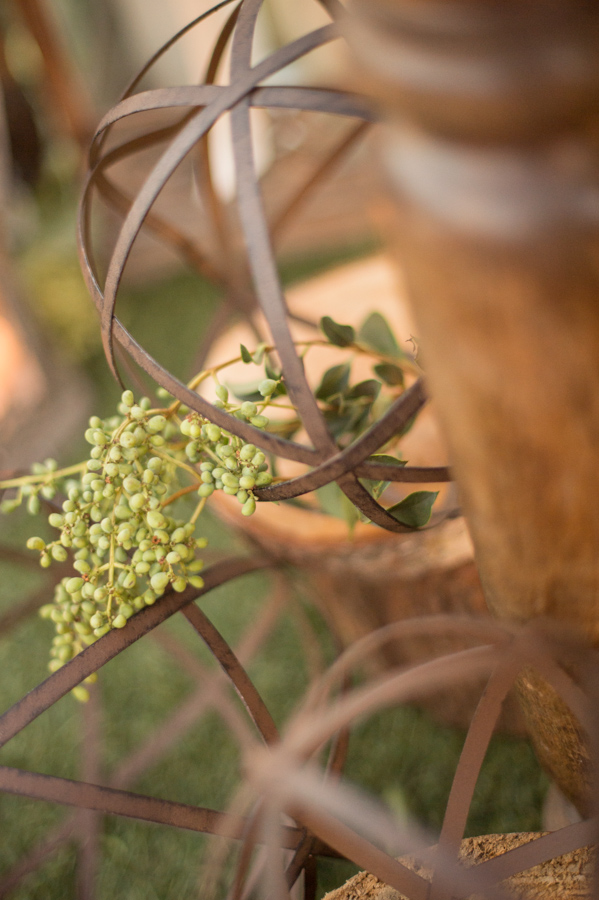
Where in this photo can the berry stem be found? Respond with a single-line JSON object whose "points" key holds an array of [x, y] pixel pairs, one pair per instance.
{"points": [[42, 479]]}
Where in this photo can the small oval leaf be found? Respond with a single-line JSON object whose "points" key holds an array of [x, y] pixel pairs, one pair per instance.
{"points": [[376, 333], [390, 374], [339, 335], [334, 381], [415, 510], [245, 354]]}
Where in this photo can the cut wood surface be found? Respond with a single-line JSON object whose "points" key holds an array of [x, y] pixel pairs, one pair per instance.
{"points": [[566, 878]]}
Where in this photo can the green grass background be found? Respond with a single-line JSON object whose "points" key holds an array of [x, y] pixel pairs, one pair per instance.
{"points": [[399, 755]]}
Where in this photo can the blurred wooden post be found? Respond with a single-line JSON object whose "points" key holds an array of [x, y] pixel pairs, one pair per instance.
{"points": [[492, 154]]}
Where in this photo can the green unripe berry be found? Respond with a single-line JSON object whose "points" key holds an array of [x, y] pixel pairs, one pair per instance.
{"points": [[59, 553], [248, 409], [242, 496], [127, 398], [125, 609], [80, 693], [136, 412], [263, 479], [196, 581], [267, 387], [82, 628], [148, 476], [131, 484], [196, 566], [247, 451], [178, 535], [45, 560], [149, 597], [156, 424], [73, 585], [97, 620], [45, 611], [213, 432], [155, 519], [159, 582], [222, 393], [100, 632], [129, 581], [119, 622], [218, 472], [127, 440], [55, 664], [179, 584], [173, 558], [259, 421], [247, 482], [231, 491], [205, 490], [36, 543], [249, 507], [230, 480], [48, 491], [141, 568], [65, 653], [232, 464]]}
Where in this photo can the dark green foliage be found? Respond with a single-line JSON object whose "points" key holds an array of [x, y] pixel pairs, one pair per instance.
{"points": [[415, 510]]}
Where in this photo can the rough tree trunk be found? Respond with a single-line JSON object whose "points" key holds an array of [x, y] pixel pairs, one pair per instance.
{"points": [[492, 155]]}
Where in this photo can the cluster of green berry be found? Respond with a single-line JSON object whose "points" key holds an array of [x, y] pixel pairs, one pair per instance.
{"points": [[127, 549]]}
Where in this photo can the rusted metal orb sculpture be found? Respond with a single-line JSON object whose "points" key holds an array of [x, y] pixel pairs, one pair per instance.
{"points": [[201, 108]]}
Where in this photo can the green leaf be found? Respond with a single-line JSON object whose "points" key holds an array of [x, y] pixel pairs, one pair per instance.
{"points": [[376, 333], [415, 510], [246, 393], [369, 388], [390, 374], [339, 335], [271, 373], [259, 354], [333, 502], [334, 381], [386, 459], [245, 354]]}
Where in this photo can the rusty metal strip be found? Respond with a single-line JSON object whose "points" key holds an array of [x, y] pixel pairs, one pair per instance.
{"points": [[106, 648], [267, 284], [124, 803], [334, 102], [97, 143], [239, 678], [550, 846], [356, 848], [469, 765], [404, 408], [179, 147]]}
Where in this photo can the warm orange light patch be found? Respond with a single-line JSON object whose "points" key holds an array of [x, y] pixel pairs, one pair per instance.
{"points": [[21, 379]]}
